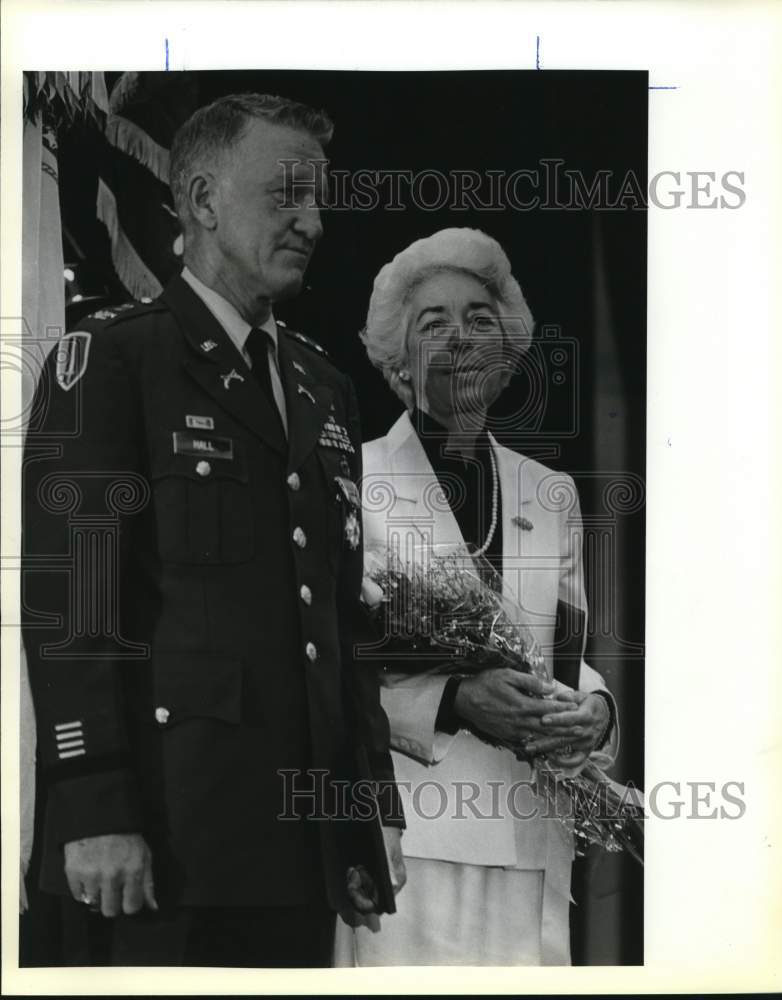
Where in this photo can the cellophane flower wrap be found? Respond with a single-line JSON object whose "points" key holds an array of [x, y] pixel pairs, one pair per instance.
{"points": [[446, 611]]}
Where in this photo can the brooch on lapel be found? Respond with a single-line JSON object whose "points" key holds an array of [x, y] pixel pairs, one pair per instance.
{"points": [[208, 345], [523, 523]]}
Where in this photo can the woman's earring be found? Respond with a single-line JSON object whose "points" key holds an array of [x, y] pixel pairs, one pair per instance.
{"points": [[403, 375]]}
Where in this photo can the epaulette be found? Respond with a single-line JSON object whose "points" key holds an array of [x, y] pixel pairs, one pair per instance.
{"points": [[125, 310], [307, 341]]}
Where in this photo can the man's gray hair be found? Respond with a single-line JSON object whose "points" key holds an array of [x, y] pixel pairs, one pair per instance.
{"points": [[220, 125], [469, 251]]}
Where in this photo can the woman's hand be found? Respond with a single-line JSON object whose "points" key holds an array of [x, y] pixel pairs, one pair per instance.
{"points": [[509, 705], [571, 735]]}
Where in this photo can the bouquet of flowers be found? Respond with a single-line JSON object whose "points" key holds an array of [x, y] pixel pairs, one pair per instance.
{"points": [[447, 612]]}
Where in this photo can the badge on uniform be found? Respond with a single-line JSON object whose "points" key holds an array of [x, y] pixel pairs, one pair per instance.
{"points": [[232, 374], [72, 352], [199, 423], [333, 435], [348, 493], [305, 392]]}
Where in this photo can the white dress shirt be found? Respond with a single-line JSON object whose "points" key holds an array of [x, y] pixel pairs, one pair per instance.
{"points": [[238, 329]]}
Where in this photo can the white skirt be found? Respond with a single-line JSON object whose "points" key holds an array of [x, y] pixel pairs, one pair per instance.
{"points": [[455, 914]]}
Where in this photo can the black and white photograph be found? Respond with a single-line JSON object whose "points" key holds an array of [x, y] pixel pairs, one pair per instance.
{"points": [[332, 515], [453, 413]]}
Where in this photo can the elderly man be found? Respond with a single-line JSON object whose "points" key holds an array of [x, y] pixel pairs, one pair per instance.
{"points": [[193, 558]]}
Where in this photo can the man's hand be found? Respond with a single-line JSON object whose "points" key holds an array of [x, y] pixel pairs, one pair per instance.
{"points": [[509, 705], [579, 729], [112, 873], [362, 891]]}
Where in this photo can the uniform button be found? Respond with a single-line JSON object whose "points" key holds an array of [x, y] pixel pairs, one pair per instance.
{"points": [[311, 651], [293, 481], [162, 715], [203, 468], [306, 594], [299, 537]]}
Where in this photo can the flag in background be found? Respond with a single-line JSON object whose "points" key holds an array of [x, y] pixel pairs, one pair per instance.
{"points": [[134, 200]]}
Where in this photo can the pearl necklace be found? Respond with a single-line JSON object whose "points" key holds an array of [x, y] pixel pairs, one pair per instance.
{"points": [[494, 497]]}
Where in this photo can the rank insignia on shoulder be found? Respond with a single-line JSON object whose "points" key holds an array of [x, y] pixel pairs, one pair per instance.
{"points": [[308, 342], [208, 345], [114, 311], [71, 359]]}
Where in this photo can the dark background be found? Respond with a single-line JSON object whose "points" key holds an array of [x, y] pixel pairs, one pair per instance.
{"points": [[583, 272]]}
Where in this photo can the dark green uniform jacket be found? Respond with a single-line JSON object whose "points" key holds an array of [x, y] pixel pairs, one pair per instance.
{"points": [[189, 583]]}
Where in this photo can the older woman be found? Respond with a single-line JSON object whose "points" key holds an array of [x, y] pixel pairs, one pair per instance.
{"points": [[489, 874]]}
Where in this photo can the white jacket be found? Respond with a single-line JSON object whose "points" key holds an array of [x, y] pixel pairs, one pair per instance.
{"points": [[445, 780]]}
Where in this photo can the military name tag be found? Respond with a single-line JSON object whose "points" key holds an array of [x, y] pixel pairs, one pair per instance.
{"points": [[203, 444]]}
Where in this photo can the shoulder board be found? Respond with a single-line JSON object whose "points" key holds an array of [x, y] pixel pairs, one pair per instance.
{"points": [[125, 310], [307, 341]]}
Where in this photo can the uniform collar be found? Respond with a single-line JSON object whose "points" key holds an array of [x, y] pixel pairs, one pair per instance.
{"points": [[227, 314]]}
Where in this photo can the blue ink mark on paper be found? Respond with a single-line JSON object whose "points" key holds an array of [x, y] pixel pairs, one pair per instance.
{"points": [[166, 54], [537, 52], [663, 88]]}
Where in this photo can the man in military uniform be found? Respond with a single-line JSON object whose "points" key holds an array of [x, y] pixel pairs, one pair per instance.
{"points": [[192, 562]]}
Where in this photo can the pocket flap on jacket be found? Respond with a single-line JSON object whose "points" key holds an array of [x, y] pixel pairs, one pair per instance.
{"points": [[222, 464], [197, 685]]}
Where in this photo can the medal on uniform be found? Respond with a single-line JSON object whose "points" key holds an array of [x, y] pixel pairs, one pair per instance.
{"points": [[348, 493], [352, 530], [334, 435]]}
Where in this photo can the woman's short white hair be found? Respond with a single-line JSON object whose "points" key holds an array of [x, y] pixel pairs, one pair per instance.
{"points": [[467, 250]]}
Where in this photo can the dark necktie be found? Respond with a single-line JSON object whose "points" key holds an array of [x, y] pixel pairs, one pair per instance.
{"points": [[257, 347]]}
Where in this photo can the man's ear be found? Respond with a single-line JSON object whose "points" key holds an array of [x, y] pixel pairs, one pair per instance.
{"points": [[201, 198]]}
